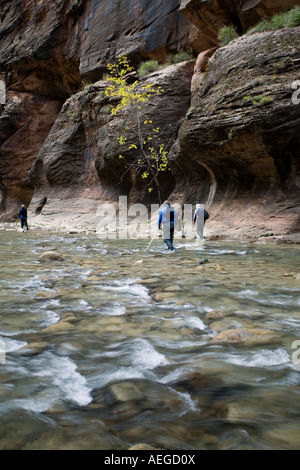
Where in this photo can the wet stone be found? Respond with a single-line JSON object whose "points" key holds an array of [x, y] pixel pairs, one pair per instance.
{"points": [[34, 348], [245, 335], [143, 447], [215, 314], [61, 326], [51, 256]]}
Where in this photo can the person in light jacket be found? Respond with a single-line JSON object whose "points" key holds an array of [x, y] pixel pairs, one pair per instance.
{"points": [[200, 217]]}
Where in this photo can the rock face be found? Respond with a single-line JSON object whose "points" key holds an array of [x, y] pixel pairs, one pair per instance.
{"points": [[242, 134], [140, 28], [210, 15], [237, 147], [24, 126], [86, 132], [46, 52]]}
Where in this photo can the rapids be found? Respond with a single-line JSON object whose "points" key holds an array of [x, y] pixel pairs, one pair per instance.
{"points": [[114, 345]]}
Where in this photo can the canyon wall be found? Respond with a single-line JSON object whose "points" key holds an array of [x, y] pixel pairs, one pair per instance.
{"points": [[231, 115], [241, 136]]}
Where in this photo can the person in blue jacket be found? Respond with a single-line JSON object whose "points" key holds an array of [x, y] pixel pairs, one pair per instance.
{"points": [[167, 218], [23, 217]]}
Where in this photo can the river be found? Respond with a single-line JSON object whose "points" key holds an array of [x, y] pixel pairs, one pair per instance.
{"points": [[114, 345]]}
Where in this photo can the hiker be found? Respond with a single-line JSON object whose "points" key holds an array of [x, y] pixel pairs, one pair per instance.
{"points": [[167, 218], [200, 217], [23, 217]]}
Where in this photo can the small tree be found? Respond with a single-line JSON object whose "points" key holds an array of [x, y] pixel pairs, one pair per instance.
{"points": [[150, 150]]}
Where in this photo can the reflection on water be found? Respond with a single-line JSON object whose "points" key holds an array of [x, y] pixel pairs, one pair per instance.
{"points": [[115, 345]]}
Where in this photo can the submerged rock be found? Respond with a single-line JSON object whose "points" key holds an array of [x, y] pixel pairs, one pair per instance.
{"points": [[245, 335], [142, 447], [216, 314], [58, 327], [51, 256], [34, 348]]}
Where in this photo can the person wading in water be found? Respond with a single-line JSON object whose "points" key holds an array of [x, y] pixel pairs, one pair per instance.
{"points": [[23, 217], [200, 217], [167, 218]]}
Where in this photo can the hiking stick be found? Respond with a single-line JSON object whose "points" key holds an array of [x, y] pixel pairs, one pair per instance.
{"points": [[150, 243]]}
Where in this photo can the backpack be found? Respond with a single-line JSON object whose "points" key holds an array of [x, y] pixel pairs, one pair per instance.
{"points": [[206, 215]]}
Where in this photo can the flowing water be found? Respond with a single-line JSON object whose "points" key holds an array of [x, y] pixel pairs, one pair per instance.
{"points": [[115, 345]]}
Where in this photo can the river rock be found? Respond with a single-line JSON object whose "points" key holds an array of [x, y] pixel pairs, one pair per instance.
{"points": [[150, 280], [46, 294], [174, 288], [69, 317], [164, 296], [215, 314], [51, 256], [126, 391], [61, 326], [34, 348], [142, 447], [225, 324], [245, 335]]}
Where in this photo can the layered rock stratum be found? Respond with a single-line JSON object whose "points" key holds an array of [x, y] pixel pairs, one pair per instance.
{"points": [[230, 113]]}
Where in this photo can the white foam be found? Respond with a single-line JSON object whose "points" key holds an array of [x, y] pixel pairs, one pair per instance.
{"points": [[116, 309], [122, 373], [61, 382], [48, 319], [142, 359], [189, 405], [128, 286], [10, 345], [145, 356], [261, 358], [191, 322], [64, 375]]}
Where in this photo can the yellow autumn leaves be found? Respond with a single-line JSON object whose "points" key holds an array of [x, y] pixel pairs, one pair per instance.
{"points": [[152, 157], [128, 94]]}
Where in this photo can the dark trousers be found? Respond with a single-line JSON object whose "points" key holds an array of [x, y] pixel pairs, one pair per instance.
{"points": [[168, 235], [24, 223]]}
